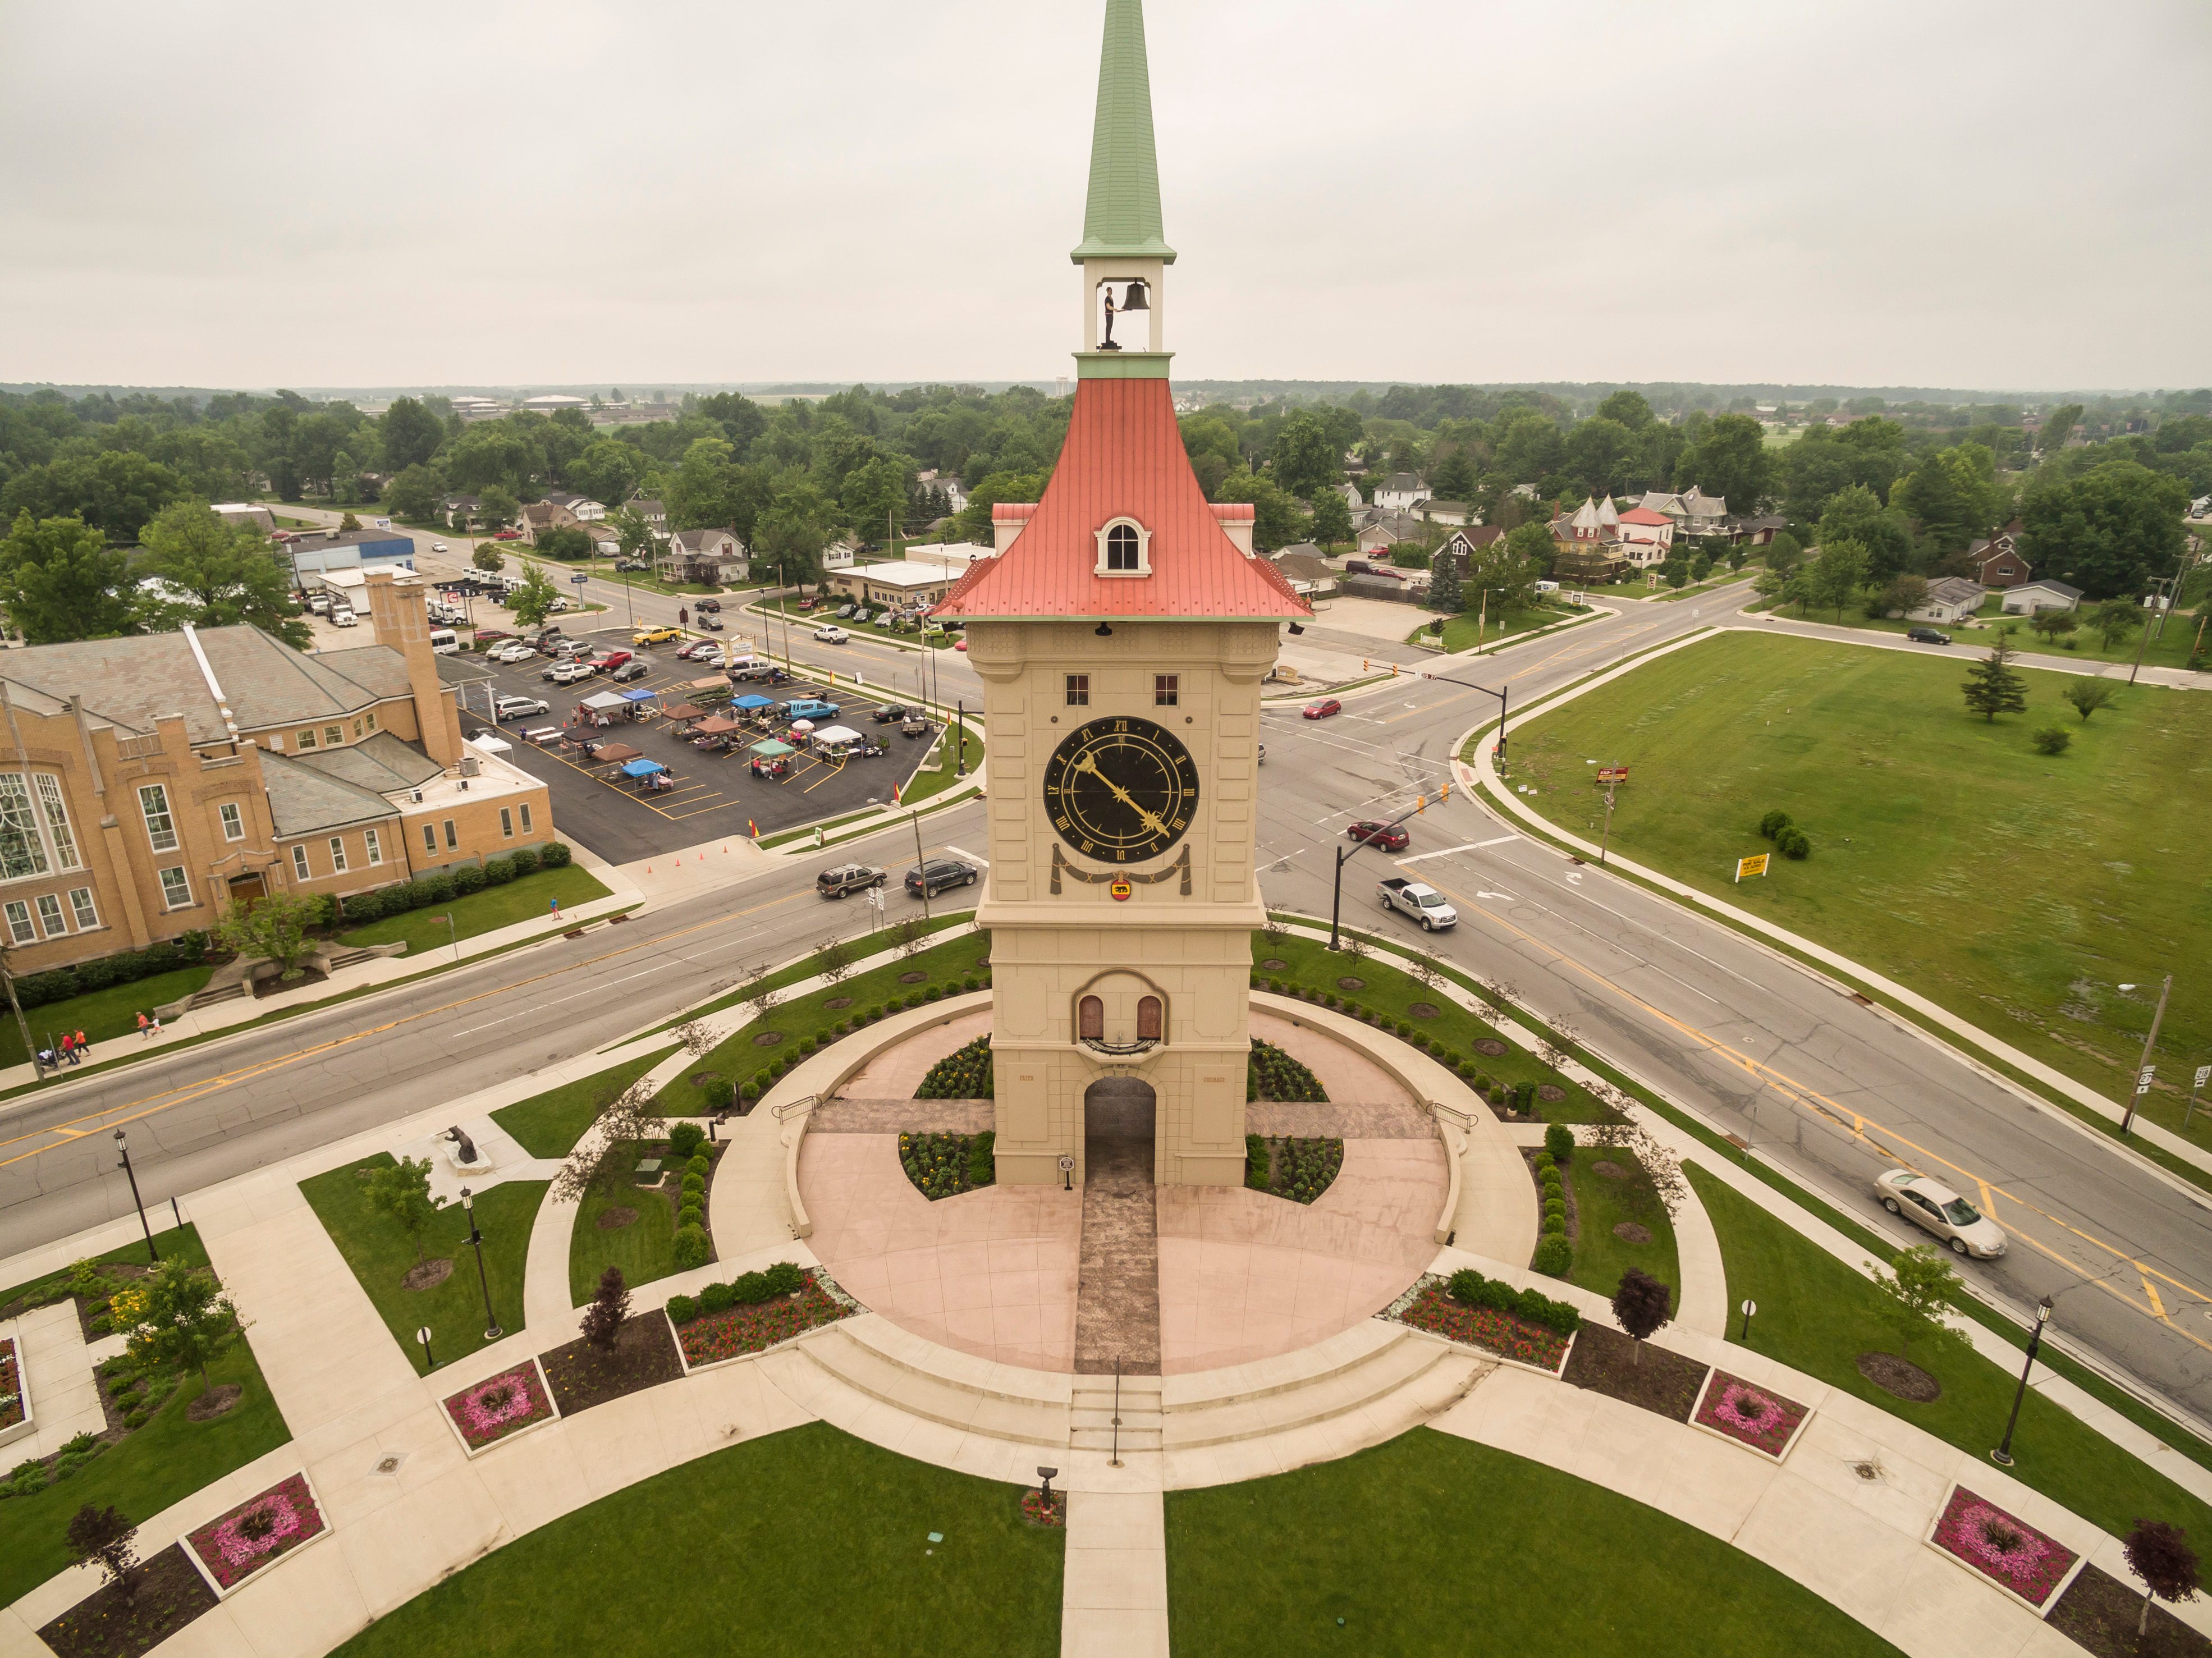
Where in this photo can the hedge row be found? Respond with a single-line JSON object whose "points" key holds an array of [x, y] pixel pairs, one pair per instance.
{"points": [[125, 967], [750, 1289], [1470, 1288], [446, 885]]}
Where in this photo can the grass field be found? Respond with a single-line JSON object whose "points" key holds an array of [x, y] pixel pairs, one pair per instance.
{"points": [[104, 1015], [2171, 650], [549, 1125], [1600, 1205], [380, 1254], [526, 899], [938, 778], [806, 1543], [1461, 632], [1817, 1315], [645, 1250], [1430, 1543], [2018, 890]]}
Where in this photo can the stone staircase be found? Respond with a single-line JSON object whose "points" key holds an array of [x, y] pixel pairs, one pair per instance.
{"points": [[1092, 1412], [873, 1356], [1395, 1377]]}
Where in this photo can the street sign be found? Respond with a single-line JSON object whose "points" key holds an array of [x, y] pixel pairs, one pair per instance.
{"points": [[2142, 1081], [1612, 774], [580, 579], [2203, 1075], [1755, 865]]}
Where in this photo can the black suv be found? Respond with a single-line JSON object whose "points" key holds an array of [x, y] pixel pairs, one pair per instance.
{"points": [[714, 606], [937, 874], [1927, 636]]}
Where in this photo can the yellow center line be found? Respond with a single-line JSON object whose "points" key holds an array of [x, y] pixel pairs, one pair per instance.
{"points": [[1863, 1127]]}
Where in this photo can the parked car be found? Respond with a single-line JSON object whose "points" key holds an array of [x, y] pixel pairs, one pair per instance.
{"points": [[937, 874], [1937, 1208], [830, 635], [1383, 837], [655, 636], [698, 651], [608, 661], [632, 564], [888, 712], [711, 606], [487, 636], [344, 618], [439, 547], [1423, 904], [810, 707], [515, 651], [506, 535], [1322, 710], [846, 879], [1927, 636], [567, 673], [520, 707], [630, 670]]}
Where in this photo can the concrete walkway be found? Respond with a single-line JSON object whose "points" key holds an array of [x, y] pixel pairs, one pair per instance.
{"points": [[1114, 1586]]}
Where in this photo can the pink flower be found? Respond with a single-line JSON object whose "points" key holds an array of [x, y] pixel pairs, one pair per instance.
{"points": [[2002, 1547], [499, 1404], [258, 1531], [1750, 1415]]}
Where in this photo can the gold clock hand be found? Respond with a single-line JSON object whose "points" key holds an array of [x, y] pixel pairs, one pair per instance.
{"points": [[1127, 799]]}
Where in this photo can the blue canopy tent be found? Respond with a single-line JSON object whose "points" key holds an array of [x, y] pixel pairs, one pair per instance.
{"points": [[640, 696], [643, 769], [754, 700]]}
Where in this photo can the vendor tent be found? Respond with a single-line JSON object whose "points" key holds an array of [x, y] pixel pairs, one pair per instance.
{"points": [[606, 702], [836, 734], [770, 748], [643, 769], [754, 700], [614, 754], [489, 743], [717, 726], [683, 711], [641, 696]]}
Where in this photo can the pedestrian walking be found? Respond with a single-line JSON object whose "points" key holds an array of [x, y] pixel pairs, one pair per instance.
{"points": [[157, 1024], [145, 1030], [82, 1046], [70, 1051], [555, 905]]}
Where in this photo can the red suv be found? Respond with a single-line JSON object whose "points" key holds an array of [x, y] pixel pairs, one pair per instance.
{"points": [[1322, 710], [1388, 838]]}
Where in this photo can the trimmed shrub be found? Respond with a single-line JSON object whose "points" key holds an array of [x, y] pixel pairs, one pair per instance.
{"points": [[968, 983], [982, 1160], [751, 1289], [718, 1095], [691, 1249], [750, 1089], [1258, 1167], [682, 1308], [524, 859], [1275, 987], [806, 1044], [717, 1299], [553, 855], [498, 872], [695, 1186], [438, 887], [1555, 1209], [698, 1163], [359, 907], [932, 994], [683, 1141], [1545, 1161], [784, 1279], [874, 1014], [1795, 844], [1559, 1142], [1773, 823], [468, 877], [1556, 1224], [1555, 1257], [689, 1215]]}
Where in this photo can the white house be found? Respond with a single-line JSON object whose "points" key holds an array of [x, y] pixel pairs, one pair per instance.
{"points": [[2029, 597], [654, 513], [1401, 492], [1456, 513], [1950, 599], [839, 554], [1646, 538], [583, 506], [955, 493], [708, 557]]}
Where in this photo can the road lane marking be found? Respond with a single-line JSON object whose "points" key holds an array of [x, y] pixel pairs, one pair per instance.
{"points": [[1421, 857], [1499, 841]]}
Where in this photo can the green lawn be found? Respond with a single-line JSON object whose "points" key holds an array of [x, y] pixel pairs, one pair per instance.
{"points": [[527, 898], [380, 1256], [1389, 991], [1429, 1544], [1461, 631], [173, 1245], [164, 1463], [1600, 1206], [806, 1543], [807, 966], [104, 1015], [1817, 1315], [2018, 890], [2084, 643], [549, 1125], [645, 1250], [948, 966], [944, 775]]}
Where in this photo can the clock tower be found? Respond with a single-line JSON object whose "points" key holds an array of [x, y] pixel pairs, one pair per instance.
{"points": [[1122, 631]]}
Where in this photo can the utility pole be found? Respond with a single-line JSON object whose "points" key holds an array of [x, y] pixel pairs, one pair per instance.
{"points": [[1606, 840], [2143, 1070], [921, 866]]}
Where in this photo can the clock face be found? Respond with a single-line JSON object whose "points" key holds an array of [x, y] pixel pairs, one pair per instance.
{"points": [[1121, 790]]}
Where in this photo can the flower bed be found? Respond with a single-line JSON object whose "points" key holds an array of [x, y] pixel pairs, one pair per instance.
{"points": [[1749, 1414], [12, 1411], [2008, 1551], [734, 1332], [1046, 1511], [1428, 1307], [940, 1165], [261, 1529], [500, 1406]]}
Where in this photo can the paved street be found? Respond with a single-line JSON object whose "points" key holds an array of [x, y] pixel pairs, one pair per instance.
{"points": [[1714, 1019]]}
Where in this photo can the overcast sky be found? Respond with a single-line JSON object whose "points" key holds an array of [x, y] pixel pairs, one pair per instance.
{"points": [[1999, 195]]}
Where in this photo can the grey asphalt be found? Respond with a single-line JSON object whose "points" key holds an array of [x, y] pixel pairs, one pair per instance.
{"points": [[1713, 1018]]}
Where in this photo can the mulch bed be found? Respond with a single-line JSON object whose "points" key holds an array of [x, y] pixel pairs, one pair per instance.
{"points": [[1347, 982], [277, 984], [1490, 1047], [1425, 1011], [2098, 1612], [427, 1275], [499, 1405], [1606, 1362], [614, 1219], [1273, 964], [914, 978], [1629, 1232], [1550, 1093], [1608, 1170], [1900, 1376], [739, 1330], [644, 1356], [1046, 1514], [768, 1039], [168, 1594], [1432, 1309], [215, 1402], [838, 1003], [1750, 1414]]}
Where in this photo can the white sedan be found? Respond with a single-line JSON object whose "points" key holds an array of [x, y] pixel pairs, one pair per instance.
{"points": [[517, 652], [1940, 1210]]}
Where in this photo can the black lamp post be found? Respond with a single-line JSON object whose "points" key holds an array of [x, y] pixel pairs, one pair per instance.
{"points": [[2002, 1455], [1503, 702], [492, 1331], [123, 1146]]}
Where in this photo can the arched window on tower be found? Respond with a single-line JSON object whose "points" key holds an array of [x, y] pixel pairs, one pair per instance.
{"points": [[1091, 1019], [1122, 548], [1148, 1019]]}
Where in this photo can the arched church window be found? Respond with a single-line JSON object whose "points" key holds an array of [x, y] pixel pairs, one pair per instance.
{"points": [[1122, 547], [1091, 1019], [1148, 1019]]}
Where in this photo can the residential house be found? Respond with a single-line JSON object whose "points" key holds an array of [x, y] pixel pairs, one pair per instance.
{"points": [[708, 557], [539, 516], [947, 483], [1585, 547], [1388, 530], [1694, 513], [1465, 544], [1310, 575], [583, 506], [896, 583], [606, 541], [1998, 565], [1950, 599], [654, 513], [1352, 499], [841, 554], [1758, 531], [1647, 538], [2026, 598], [1401, 492], [463, 507], [1445, 512], [160, 778]]}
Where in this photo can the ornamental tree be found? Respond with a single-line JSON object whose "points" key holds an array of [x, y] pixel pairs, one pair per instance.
{"points": [[1993, 688], [2087, 695], [1919, 1292], [102, 1537], [603, 1158], [190, 1320], [274, 927], [2159, 1554], [603, 1319], [1643, 1304], [400, 1192]]}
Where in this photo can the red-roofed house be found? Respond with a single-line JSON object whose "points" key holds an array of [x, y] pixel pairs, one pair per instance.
{"points": [[1646, 538]]}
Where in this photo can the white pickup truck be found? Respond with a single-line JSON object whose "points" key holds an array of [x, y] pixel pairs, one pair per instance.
{"points": [[1423, 904]]}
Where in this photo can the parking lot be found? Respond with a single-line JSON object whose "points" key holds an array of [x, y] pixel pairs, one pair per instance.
{"points": [[707, 793]]}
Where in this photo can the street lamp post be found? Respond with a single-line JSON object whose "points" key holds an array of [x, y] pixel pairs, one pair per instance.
{"points": [[123, 1146], [1343, 856], [492, 1331], [422, 1335], [960, 744], [1504, 705], [2002, 1455]]}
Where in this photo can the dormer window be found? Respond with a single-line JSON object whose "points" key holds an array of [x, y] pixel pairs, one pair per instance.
{"points": [[1125, 549]]}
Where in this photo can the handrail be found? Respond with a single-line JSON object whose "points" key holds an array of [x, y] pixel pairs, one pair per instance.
{"points": [[792, 1107], [1439, 1109]]}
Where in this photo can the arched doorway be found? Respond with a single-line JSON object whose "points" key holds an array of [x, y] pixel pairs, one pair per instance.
{"points": [[1117, 1303], [1121, 1109]]}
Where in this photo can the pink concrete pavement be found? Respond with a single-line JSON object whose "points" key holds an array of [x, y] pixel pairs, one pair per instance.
{"points": [[895, 1073], [1344, 1072]]}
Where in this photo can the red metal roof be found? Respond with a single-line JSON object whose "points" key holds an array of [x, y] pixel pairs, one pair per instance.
{"points": [[1124, 457], [1011, 511], [1644, 515]]}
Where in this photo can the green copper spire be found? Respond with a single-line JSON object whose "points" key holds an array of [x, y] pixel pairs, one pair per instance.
{"points": [[1122, 217]]}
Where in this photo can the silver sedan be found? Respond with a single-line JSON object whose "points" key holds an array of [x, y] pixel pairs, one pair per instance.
{"points": [[1940, 1210]]}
